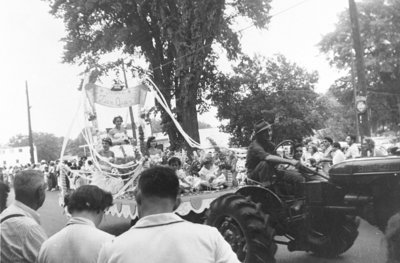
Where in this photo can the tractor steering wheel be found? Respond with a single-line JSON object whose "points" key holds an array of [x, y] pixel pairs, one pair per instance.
{"points": [[285, 149]]}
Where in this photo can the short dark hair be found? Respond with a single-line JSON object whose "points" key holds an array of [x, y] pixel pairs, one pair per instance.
{"points": [[297, 145], [107, 140], [174, 159], [336, 145], [116, 118], [26, 182], [207, 161], [149, 140], [88, 198], [329, 139], [159, 181], [353, 137], [314, 148]]}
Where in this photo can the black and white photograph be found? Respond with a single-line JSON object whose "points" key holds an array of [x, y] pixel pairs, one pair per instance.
{"points": [[200, 131]]}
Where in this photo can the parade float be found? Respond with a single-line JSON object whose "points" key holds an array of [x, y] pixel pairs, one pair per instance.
{"points": [[120, 175]]}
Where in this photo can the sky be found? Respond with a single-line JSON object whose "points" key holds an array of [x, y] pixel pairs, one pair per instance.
{"points": [[31, 51]]}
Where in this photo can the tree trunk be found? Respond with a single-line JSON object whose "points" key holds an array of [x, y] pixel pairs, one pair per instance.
{"points": [[186, 108]]}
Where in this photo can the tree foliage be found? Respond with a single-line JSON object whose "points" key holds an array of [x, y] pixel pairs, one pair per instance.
{"points": [[380, 34], [175, 36], [275, 89]]}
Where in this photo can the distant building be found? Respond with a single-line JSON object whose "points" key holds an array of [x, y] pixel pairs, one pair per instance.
{"points": [[10, 156]]}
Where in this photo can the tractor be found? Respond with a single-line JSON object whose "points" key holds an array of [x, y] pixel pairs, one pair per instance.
{"points": [[323, 221]]}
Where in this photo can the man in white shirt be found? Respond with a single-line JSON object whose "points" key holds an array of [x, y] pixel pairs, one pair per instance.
{"points": [[160, 236], [337, 154], [21, 233], [353, 151], [327, 157]]}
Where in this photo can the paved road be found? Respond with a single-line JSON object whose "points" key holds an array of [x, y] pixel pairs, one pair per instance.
{"points": [[368, 248]]}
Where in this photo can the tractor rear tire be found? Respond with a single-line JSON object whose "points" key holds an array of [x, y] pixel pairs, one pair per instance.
{"points": [[334, 239], [244, 226]]}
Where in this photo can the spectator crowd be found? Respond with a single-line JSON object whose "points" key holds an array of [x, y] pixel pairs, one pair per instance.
{"points": [[159, 235]]}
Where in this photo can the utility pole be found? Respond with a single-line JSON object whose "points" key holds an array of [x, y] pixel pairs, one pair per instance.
{"points": [[354, 85], [361, 98], [29, 125]]}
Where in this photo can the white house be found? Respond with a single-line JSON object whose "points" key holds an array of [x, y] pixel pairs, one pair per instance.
{"points": [[16, 155]]}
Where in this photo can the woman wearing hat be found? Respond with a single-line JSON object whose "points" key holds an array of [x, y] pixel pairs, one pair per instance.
{"points": [[260, 160]]}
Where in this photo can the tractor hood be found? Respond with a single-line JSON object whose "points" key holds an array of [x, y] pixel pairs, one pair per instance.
{"points": [[364, 170]]}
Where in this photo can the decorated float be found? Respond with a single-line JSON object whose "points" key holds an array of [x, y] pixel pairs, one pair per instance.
{"points": [[118, 171]]}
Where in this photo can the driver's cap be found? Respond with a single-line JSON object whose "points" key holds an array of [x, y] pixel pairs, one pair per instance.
{"points": [[261, 125]]}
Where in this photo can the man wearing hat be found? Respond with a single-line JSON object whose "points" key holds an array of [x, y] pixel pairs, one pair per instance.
{"points": [[260, 160]]}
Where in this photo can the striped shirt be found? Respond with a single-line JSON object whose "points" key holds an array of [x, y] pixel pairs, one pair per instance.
{"points": [[22, 236]]}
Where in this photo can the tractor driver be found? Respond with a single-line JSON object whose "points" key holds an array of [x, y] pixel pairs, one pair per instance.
{"points": [[261, 160]]}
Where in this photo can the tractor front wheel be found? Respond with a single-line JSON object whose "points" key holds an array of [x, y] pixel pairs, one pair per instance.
{"points": [[244, 226]]}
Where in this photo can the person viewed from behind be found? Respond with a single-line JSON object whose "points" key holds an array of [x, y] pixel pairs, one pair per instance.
{"points": [[260, 159], [392, 238], [52, 178], [337, 154], [21, 233], [353, 151], [79, 241], [160, 236], [4, 190], [374, 151]]}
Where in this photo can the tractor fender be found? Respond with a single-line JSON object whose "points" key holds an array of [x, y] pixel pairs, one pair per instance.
{"points": [[269, 202]]}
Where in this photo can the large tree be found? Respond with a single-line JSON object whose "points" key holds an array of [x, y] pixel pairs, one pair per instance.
{"points": [[380, 35], [274, 89], [176, 37]]}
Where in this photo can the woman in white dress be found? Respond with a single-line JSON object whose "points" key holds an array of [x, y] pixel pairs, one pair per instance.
{"points": [[153, 153], [118, 134]]}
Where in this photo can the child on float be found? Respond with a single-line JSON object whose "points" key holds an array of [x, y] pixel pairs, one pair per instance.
{"points": [[176, 164], [206, 175]]}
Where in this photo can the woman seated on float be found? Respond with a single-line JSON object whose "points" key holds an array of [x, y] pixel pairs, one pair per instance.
{"points": [[207, 176], [175, 163], [101, 179], [118, 134], [153, 153], [107, 154]]}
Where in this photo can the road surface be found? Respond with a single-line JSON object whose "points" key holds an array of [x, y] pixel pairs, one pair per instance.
{"points": [[368, 248]]}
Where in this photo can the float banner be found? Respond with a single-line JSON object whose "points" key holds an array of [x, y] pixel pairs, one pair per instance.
{"points": [[116, 98]]}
